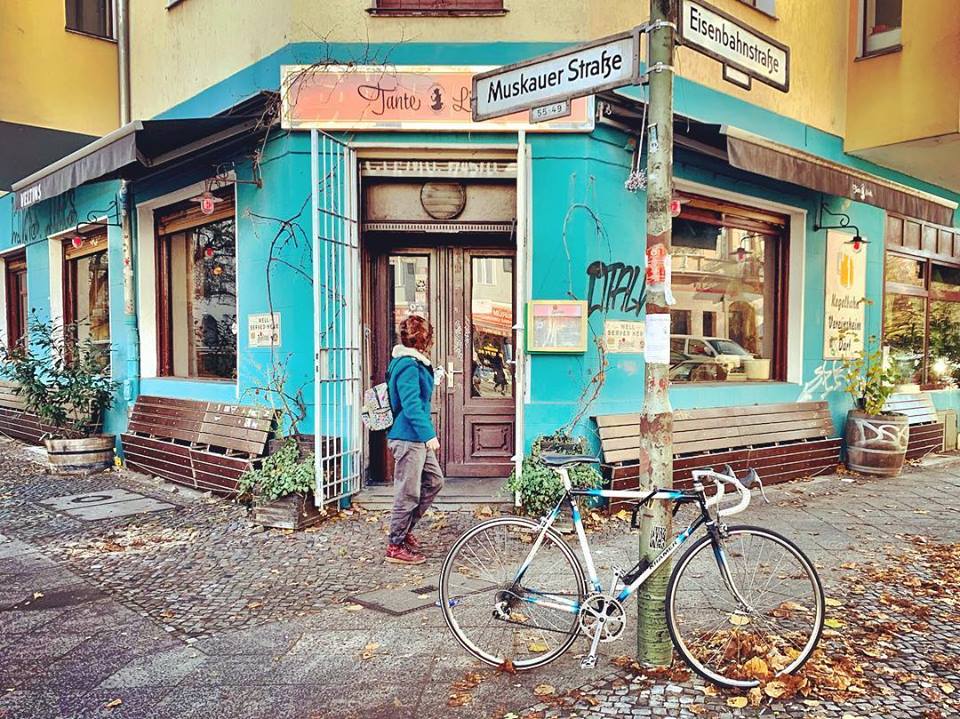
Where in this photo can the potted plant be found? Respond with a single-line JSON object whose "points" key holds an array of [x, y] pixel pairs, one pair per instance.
{"points": [[876, 440], [282, 487], [63, 381], [539, 486]]}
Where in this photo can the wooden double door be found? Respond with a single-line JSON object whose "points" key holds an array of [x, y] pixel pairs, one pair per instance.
{"points": [[467, 293]]}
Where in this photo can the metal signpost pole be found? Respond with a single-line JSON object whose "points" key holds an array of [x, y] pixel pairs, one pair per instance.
{"points": [[656, 425]]}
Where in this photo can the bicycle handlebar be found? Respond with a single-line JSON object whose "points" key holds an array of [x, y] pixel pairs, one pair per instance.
{"points": [[729, 476]]}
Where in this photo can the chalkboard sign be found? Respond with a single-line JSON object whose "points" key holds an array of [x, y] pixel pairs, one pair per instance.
{"points": [[557, 326]]}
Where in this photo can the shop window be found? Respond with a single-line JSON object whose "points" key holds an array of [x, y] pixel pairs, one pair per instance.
{"points": [[881, 25], [729, 280], [921, 320], [197, 291], [438, 7], [91, 17], [16, 299], [87, 294]]}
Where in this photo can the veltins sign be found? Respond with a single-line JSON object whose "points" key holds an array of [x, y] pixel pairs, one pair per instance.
{"points": [[404, 98], [725, 38], [586, 69], [846, 288]]}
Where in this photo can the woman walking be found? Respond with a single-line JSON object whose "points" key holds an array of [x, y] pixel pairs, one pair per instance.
{"points": [[417, 477]]}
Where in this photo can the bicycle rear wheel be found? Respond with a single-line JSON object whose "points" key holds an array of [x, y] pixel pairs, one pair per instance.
{"points": [[772, 631], [497, 618]]}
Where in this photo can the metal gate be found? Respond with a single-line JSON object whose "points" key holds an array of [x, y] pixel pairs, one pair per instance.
{"points": [[336, 318]]}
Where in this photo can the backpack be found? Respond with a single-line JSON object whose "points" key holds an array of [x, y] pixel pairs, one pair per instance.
{"points": [[376, 412]]}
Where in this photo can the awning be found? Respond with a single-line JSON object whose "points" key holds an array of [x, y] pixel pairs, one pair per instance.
{"points": [[755, 154], [130, 152]]}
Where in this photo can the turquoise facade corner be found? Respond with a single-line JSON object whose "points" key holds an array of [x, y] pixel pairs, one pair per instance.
{"points": [[581, 215]]}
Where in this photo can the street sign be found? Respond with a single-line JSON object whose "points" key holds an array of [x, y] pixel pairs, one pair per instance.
{"points": [[725, 38], [563, 75]]}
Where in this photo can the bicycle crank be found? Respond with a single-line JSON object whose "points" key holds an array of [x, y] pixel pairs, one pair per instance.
{"points": [[602, 616]]}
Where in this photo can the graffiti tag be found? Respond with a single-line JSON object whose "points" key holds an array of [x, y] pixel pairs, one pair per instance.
{"points": [[615, 286]]}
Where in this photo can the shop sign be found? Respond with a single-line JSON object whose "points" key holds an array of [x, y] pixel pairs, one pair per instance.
{"points": [[263, 330], [846, 283], [402, 98], [725, 38], [461, 169], [623, 336], [586, 69]]}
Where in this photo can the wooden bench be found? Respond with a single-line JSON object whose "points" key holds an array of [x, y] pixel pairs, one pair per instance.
{"points": [[780, 441], [17, 422], [926, 429], [204, 445]]}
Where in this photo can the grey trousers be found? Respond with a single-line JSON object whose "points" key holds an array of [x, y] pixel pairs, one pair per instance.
{"points": [[417, 479]]}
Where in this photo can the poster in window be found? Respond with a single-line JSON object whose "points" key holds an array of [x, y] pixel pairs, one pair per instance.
{"points": [[557, 326], [846, 283]]}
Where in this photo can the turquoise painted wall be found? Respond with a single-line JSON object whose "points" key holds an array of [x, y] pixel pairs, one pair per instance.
{"points": [[31, 229]]}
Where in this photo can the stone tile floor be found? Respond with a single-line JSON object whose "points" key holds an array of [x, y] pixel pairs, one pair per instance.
{"points": [[196, 612]]}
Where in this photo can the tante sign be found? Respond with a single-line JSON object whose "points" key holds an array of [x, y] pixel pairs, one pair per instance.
{"points": [[725, 38], [405, 98], [586, 69]]}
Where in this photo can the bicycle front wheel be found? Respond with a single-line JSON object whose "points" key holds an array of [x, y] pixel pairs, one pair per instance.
{"points": [[766, 621], [499, 614]]}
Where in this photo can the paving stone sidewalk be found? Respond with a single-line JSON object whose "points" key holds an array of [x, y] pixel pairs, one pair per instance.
{"points": [[195, 612]]}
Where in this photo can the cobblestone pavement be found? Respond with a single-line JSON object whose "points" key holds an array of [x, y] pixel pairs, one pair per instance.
{"points": [[196, 612]]}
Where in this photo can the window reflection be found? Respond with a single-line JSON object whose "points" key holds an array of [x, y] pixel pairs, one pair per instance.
{"points": [[723, 318], [410, 290], [491, 317]]}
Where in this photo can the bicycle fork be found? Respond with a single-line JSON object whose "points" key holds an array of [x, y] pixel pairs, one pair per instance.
{"points": [[716, 540]]}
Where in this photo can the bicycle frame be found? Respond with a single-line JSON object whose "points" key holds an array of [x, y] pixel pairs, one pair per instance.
{"points": [[570, 495]]}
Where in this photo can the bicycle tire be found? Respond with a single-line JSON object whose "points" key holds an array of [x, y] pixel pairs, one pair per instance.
{"points": [[671, 610], [447, 607]]}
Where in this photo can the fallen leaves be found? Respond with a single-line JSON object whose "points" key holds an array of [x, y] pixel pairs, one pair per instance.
{"points": [[369, 651], [543, 690], [462, 693], [113, 703]]}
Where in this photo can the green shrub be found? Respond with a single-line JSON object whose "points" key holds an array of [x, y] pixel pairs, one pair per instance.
{"points": [[539, 486], [62, 379], [283, 472]]}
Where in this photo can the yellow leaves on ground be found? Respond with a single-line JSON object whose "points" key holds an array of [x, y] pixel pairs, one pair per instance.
{"points": [[737, 702], [833, 602], [833, 623], [463, 689], [738, 620], [544, 690], [756, 668], [538, 647], [354, 608]]}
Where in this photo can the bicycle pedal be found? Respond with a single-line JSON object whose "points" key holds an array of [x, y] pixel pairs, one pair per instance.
{"points": [[588, 662]]}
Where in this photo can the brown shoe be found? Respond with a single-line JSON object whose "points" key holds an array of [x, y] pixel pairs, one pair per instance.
{"points": [[411, 542], [399, 554]]}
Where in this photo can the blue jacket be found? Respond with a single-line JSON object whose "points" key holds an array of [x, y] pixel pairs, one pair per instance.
{"points": [[410, 383]]}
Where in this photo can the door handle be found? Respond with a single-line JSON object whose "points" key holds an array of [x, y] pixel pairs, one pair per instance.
{"points": [[450, 372]]}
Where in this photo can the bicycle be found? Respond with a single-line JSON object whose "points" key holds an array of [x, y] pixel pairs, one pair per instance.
{"points": [[513, 591]]}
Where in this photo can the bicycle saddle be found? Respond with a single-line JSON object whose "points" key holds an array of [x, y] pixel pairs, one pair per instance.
{"points": [[559, 460]]}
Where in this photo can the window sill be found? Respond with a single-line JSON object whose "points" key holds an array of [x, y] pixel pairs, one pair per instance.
{"points": [[377, 12], [877, 53], [105, 38], [205, 380]]}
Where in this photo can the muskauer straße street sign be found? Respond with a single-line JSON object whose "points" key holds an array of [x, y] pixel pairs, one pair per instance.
{"points": [[586, 69]]}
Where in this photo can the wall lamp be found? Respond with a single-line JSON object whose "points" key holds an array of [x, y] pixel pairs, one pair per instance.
{"points": [[843, 222]]}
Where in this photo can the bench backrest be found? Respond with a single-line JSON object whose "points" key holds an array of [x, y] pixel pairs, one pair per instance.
{"points": [[9, 397], [704, 430], [230, 426], [916, 405]]}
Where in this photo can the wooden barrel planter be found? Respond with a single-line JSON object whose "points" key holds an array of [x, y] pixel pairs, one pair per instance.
{"points": [[86, 454], [876, 443]]}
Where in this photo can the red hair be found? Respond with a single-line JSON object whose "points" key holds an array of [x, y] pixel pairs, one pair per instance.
{"points": [[416, 332]]}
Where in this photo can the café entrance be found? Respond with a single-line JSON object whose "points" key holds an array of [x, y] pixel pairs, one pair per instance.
{"points": [[459, 272]]}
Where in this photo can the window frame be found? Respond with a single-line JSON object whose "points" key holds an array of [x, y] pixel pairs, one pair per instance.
{"points": [[702, 207], [15, 264], [69, 277], [864, 20], [767, 7], [111, 35], [469, 8], [170, 220]]}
